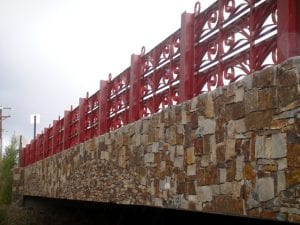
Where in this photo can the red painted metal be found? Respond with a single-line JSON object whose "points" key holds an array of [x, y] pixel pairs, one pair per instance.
{"points": [[186, 85], [160, 76], [213, 47], [82, 129], [67, 130], [288, 41], [119, 100], [74, 127], [135, 89], [40, 147], [233, 40], [58, 135], [91, 116], [104, 106]]}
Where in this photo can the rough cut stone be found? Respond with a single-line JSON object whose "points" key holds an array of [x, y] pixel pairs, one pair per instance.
{"points": [[247, 82], [230, 149], [266, 98], [258, 120], [222, 175], [293, 155], [226, 188], [204, 193], [293, 177], [251, 100], [179, 150], [209, 106], [191, 170], [279, 147], [286, 95], [264, 78], [259, 146], [155, 147], [282, 163], [236, 189], [265, 188], [206, 126], [239, 91], [149, 158], [215, 189], [281, 181], [204, 160], [105, 155], [235, 150], [213, 149], [178, 161], [190, 156], [239, 167]]}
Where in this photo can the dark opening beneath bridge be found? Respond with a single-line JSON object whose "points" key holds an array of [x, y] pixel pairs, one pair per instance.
{"points": [[58, 211]]}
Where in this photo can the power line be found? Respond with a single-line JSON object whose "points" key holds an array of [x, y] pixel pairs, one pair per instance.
{"points": [[2, 117]]}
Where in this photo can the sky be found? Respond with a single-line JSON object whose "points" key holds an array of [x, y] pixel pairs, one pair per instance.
{"points": [[53, 51]]}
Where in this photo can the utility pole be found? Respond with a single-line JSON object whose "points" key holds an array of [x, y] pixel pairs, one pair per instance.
{"points": [[34, 119], [2, 117]]}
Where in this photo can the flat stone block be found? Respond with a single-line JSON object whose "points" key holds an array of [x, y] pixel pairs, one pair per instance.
{"points": [[204, 193], [265, 188]]}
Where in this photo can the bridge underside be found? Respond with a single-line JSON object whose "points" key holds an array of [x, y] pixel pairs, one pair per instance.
{"points": [[82, 212]]}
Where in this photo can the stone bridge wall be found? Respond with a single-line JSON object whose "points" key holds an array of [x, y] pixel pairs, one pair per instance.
{"points": [[235, 150]]}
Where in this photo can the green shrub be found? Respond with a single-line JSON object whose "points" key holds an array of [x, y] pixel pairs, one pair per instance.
{"points": [[6, 165]]}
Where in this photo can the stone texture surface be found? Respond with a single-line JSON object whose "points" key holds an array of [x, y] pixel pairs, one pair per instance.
{"points": [[235, 150]]}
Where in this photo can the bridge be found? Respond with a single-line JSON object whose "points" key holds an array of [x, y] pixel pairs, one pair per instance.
{"points": [[207, 121]]}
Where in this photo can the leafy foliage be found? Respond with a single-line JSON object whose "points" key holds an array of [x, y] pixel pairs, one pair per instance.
{"points": [[6, 165]]}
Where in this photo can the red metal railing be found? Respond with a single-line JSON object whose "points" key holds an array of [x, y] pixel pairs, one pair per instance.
{"points": [[227, 40]]}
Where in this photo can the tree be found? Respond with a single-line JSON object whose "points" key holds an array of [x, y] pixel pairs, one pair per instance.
{"points": [[8, 162]]}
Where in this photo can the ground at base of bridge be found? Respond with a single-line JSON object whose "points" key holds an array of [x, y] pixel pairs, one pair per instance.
{"points": [[19, 215], [63, 212]]}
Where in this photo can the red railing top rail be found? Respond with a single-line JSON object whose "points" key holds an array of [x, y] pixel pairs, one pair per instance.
{"points": [[213, 47]]}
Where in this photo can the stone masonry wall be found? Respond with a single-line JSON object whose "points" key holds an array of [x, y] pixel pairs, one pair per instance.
{"points": [[235, 150]]}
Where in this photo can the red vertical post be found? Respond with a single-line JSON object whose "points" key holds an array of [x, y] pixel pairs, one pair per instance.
{"points": [[103, 99], [32, 151], [186, 89], [42, 143], [82, 120], [46, 146], [41, 146], [66, 135], [51, 140], [288, 39], [135, 88], [27, 154], [54, 136], [37, 151]]}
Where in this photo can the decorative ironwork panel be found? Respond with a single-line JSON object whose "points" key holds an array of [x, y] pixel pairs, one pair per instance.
{"points": [[160, 75], [58, 135], [48, 142], [213, 47], [40, 147], [233, 39], [119, 100], [74, 127], [92, 111]]}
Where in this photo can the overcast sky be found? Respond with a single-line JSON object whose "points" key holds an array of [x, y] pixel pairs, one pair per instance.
{"points": [[53, 51]]}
